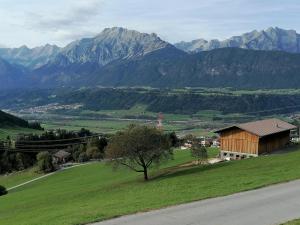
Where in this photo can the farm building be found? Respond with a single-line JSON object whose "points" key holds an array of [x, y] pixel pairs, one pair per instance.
{"points": [[254, 138], [61, 156]]}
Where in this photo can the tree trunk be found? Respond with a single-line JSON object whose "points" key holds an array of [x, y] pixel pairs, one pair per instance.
{"points": [[145, 174]]}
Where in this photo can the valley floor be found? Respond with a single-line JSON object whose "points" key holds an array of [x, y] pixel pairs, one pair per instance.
{"points": [[12, 132]]}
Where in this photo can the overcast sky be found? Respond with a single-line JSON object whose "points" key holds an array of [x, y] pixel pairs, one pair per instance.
{"points": [[37, 22]]}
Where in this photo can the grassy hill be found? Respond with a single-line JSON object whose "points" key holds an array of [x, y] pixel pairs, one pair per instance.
{"points": [[11, 126], [10, 120], [94, 192], [20, 177]]}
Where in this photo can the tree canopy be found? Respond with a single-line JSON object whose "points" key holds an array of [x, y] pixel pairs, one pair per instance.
{"points": [[45, 162], [138, 148]]}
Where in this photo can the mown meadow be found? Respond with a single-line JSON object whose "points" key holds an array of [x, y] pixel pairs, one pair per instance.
{"points": [[95, 192]]}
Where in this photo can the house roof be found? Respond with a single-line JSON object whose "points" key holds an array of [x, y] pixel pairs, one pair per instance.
{"points": [[263, 128], [62, 154]]}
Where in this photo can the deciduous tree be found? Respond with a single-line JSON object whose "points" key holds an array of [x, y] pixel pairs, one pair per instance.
{"points": [[138, 148]]}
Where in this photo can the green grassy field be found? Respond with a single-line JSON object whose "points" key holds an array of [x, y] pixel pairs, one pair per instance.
{"points": [[94, 192], [140, 111], [14, 131], [201, 123], [16, 178], [112, 126], [100, 126]]}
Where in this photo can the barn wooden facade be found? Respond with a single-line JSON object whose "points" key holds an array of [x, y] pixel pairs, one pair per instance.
{"points": [[255, 138]]}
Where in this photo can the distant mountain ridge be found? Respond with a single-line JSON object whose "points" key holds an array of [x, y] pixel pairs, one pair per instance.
{"points": [[122, 57], [81, 58], [227, 67], [29, 57], [111, 44], [270, 39]]}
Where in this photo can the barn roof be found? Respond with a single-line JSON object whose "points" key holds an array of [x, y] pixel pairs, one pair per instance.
{"points": [[62, 154], [263, 128]]}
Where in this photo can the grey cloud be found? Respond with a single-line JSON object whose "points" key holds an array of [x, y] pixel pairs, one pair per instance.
{"points": [[79, 14], [69, 36]]}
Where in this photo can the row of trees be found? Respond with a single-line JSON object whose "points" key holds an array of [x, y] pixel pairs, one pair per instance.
{"points": [[22, 154], [53, 139], [10, 161], [93, 150]]}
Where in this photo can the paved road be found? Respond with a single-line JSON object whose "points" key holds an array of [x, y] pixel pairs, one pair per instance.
{"points": [[267, 206]]}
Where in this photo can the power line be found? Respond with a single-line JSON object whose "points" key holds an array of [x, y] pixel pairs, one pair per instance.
{"points": [[45, 146], [37, 150], [60, 140], [32, 150], [38, 145]]}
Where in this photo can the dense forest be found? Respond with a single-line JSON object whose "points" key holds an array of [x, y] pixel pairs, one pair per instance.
{"points": [[186, 103], [181, 101]]}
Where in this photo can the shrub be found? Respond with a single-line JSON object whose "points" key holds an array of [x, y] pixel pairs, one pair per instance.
{"points": [[45, 163], [3, 190], [95, 148], [94, 153], [200, 153], [83, 157], [23, 161], [75, 155], [5, 163], [76, 151]]}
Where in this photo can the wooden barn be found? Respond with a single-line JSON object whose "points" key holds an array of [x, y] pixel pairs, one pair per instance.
{"points": [[254, 138]]}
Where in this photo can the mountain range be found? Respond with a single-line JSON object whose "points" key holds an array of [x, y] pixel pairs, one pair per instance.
{"points": [[275, 39], [122, 57], [32, 58]]}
